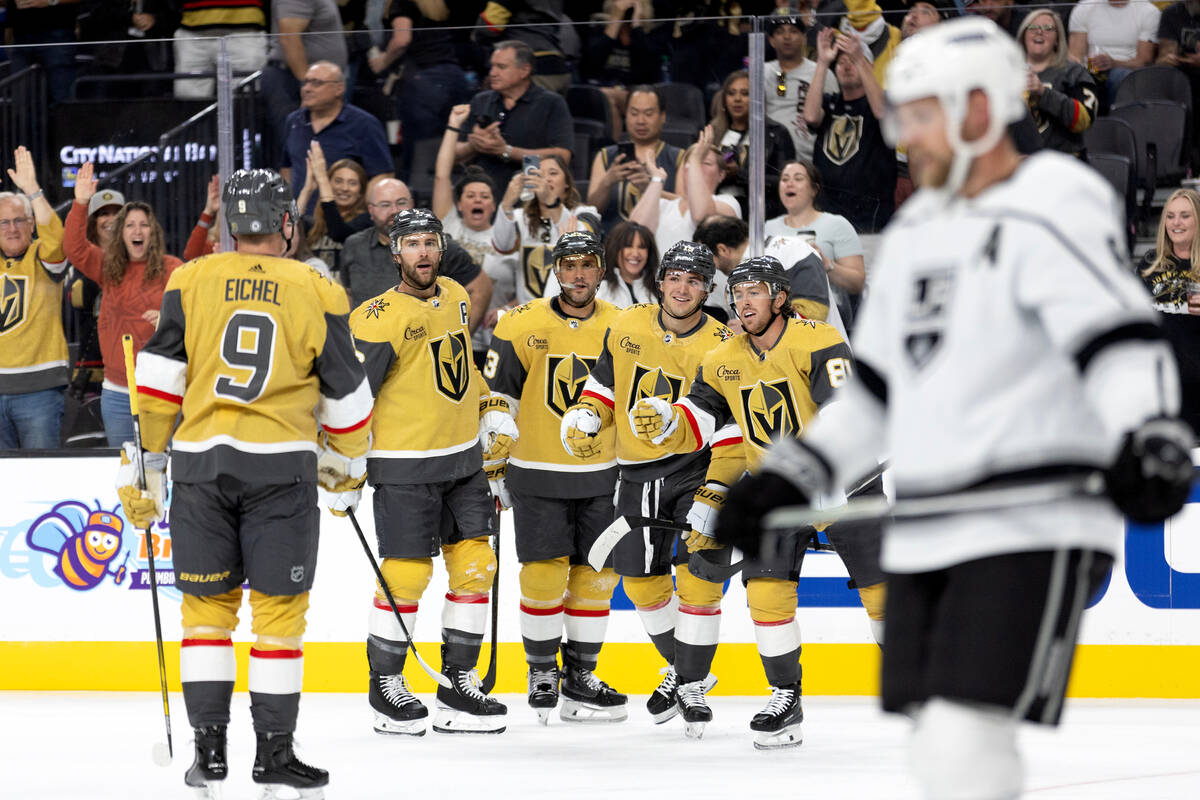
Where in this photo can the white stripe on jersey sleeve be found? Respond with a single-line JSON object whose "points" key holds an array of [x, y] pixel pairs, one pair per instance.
{"points": [[160, 373], [703, 423], [596, 387], [343, 413]]}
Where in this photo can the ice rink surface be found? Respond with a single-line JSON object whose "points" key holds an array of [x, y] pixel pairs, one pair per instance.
{"points": [[96, 746]]}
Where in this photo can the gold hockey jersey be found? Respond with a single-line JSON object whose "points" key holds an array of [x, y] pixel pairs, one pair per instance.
{"points": [[642, 359], [417, 353], [541, 357], [256, 353], [33, 350]]}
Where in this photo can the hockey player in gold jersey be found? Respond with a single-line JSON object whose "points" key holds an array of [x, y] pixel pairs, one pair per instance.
{"points": [[540, 357], [769, 382], [248, 345], [434, 424], [653, 350]]}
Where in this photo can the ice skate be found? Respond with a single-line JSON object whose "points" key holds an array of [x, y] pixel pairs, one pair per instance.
{"points": [[586, 698], [281, 773], [778, 724], [543, 692], [662, 703], [397, 709], [466, 709], [207, 773], [694, 708]]}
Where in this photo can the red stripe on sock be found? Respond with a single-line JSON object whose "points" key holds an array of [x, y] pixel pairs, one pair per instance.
{"points": [[655, 607], [256, 653], [384, 605], [701, 611], [206, 643], [772, 624], [466, 598], [541, 612], [587, 612]]}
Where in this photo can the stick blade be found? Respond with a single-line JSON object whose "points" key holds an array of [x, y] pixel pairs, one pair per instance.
{"points": [[161, 754], [605, 542]]}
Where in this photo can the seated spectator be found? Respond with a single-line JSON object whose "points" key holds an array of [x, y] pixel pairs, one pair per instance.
{"points": [[240, 24], [33, 350], [368, 268], [831, 235], [1169, 272], [787, 79], [630, 267], [1179, 41], [617, 181], [539, 26], [731, 133], [628, 51], [531, 231], [514, 118], [673, 220], [342, 210], [205, 236], [858, 166], [344, 130], [1001, 12], [299, 249], [468, 207], [1113, 38], [34, 23], [132, 271], [1061, 93]]}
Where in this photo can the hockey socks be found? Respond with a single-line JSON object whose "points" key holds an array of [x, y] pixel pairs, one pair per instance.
{"points": [[779, 648], [696, 634], [541, 633], [464, 619], [386, 642], [207, 668], [275, 678]]}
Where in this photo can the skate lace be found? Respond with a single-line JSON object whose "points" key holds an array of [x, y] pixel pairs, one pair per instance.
{"points": [[545, 679], [468, 685], [669, 682], [692, 693], [395, 689], [779, 702]]}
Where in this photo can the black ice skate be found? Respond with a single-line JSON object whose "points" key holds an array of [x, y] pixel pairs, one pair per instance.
{"points": [[465, 708], [397, 709], [543, 692], [663, 702], [208, 770], [276, 767], [778, 725], [586, 698], [694, 708]]}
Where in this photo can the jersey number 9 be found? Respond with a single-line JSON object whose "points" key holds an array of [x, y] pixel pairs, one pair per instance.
{"points": [[248, 344]]}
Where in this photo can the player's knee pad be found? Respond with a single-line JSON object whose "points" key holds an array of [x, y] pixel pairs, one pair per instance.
{"points": [[874, 597], [966, 752], [695, 591], [650, 591], [278, 617], [406, 578], [213, 616], [771, 599], [471, 565], [544, 582], [587, 588]]}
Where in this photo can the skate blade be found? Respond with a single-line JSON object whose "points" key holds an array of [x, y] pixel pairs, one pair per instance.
{"points": [[210, 791], [780, 740], [665, 716], [449, 721], [279, 791], [694, 730], [543, 715], [575, 711], [387, 726]]}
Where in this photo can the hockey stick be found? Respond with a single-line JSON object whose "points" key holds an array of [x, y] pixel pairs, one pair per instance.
{"points": [[157, 753], [489, 680], [441, 679], [717, 573]]}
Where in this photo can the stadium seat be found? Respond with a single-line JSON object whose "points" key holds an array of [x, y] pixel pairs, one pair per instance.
{"points": [[589, 102], [1160, 128], [1118, 170]]}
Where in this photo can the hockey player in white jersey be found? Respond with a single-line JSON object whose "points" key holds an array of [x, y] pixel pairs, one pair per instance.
{"points": [[1005, 342]]}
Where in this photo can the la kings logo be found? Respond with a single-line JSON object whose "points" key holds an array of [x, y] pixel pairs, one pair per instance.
{"points": [[451, 364], [928, 304], [653, 382], [769, 411], [565, 377], [12, 301]]}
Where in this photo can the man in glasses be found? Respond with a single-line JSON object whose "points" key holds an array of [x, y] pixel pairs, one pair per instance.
{"points": [[787, 79]]}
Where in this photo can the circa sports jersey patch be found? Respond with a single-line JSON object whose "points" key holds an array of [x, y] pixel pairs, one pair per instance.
{"points": [[376, 307], [769, 411], [12, 301], [925, 317], [452, 364], [653, 382], [565, 377]]}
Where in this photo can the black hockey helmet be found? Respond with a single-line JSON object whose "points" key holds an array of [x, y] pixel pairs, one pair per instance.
{"points": [[688, 257], [578, 243], [764, 269], [254, 201], [415, 220]]}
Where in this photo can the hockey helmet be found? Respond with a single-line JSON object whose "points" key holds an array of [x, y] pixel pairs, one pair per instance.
{"points": [[415, 220], [759, 269], [688, 257], [255, 201], [578, 243]]}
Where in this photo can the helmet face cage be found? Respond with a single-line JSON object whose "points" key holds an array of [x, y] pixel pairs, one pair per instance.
{"points": [[760, 269], [411, 221], [578, 243], [256, 201], [688, 257]]}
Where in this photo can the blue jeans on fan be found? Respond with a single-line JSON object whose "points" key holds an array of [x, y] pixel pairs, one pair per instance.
{"points": [[31, 420], [118, 419]]}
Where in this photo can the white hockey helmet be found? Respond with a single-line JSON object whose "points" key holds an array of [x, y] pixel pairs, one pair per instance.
{"points": [[948, 61]]}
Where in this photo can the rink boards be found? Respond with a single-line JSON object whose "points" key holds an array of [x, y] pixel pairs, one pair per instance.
{"points": [[75, 622]]}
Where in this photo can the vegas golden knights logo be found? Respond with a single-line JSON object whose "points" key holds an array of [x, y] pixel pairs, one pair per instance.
{"points": [[654, 382], [565, 377], [843, 137], [536, 264], [769, 412], [452, 364], [12, 301]]}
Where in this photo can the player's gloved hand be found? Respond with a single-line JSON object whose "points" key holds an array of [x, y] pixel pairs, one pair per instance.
{"points": [[790, 474], [653, 419], [1152, 475], [341, 478], [142, 507], [578, 431], [495, 471], [497, 428], [696, 541], [706, 503]]}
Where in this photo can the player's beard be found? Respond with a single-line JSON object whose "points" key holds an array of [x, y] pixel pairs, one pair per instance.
{"points": [[566, 297], [410, 276], [933, 173]]}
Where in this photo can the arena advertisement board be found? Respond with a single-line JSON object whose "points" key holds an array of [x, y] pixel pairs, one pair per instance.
{"points": [[75, 579]]}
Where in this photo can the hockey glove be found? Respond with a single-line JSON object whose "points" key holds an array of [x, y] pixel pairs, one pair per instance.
{"points": [[653, 419], [341, 479], [1152, 475], [142, 508], [578, 432], [495, 471], [702, 516], [497, 428], [790, 475]]}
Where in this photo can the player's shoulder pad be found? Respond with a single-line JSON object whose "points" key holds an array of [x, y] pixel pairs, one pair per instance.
{"points": [[520, 318], [453, 290], [372, 317], [605, 309], [717, 329], [817, 333]]}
